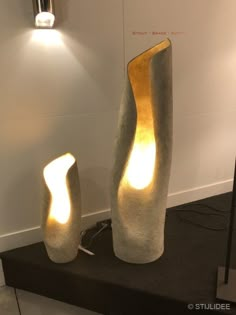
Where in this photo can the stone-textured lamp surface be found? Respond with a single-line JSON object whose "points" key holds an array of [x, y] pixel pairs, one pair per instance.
{"points": [[61, 212], [143, 152]]}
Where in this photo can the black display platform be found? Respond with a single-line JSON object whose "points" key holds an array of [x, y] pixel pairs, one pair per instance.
{"points": [[185, 274], [226, 291]]}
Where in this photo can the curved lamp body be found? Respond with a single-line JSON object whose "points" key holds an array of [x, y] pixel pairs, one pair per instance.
{"points": [[61, 213], [143, 152]]}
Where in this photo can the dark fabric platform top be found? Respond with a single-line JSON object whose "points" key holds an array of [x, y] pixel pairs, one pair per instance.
{"points": [[186, 273]]}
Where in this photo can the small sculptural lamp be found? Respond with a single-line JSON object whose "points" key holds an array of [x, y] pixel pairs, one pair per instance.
{"points": [[142, 162], [61, 212], [226, 281]]}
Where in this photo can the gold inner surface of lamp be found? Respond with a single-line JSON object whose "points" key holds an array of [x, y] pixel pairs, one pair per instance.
{"points": [[141, 165], [55, 178]]}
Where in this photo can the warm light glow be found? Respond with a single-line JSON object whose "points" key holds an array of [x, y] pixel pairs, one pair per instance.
{"points": [[55, 177], [141, 165], [47, 37], [140, 169], [44, 20]]}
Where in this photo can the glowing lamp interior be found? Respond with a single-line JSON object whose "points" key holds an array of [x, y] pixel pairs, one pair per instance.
{"points": [[142, 160], [141, 163], [55, 177], [44, 20]]}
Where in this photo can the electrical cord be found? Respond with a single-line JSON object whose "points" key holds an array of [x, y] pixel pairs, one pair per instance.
{"points": [[204, 213], [86, 241], [17, 302], [203, 205], [88, 236]]}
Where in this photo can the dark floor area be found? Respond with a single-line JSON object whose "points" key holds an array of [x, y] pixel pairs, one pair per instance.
{"points": [[195, 245]]}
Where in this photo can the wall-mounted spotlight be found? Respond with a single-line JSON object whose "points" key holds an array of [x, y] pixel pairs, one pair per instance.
{"points": [[44, 13]]}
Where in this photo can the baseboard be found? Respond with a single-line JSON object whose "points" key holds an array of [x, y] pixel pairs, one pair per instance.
{"points": [[90, 219], [33, 235], [20, 238], [185, 196]]}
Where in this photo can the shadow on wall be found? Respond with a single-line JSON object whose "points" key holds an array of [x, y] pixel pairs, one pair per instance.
{"points": [[61, 12], [93, 195]]}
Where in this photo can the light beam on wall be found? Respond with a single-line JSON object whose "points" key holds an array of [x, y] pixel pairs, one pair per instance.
{"points": [[47, 37], [44, 13]]}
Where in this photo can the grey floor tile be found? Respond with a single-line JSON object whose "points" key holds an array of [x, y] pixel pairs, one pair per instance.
{"points": [[8, 305], [32, 304]]}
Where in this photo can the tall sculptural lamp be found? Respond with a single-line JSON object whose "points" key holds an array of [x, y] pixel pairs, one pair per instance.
{"points": [[226, 282], [61, 210], [142, 157]]}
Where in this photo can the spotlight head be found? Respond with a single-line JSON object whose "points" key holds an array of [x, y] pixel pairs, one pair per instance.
{"points": [[44, 13]]}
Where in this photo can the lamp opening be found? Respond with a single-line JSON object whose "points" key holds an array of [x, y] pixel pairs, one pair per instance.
{"points": [[142, 160], [55, 178]]}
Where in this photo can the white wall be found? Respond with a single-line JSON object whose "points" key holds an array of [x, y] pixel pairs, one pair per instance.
{"points": [[60, 91]]}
